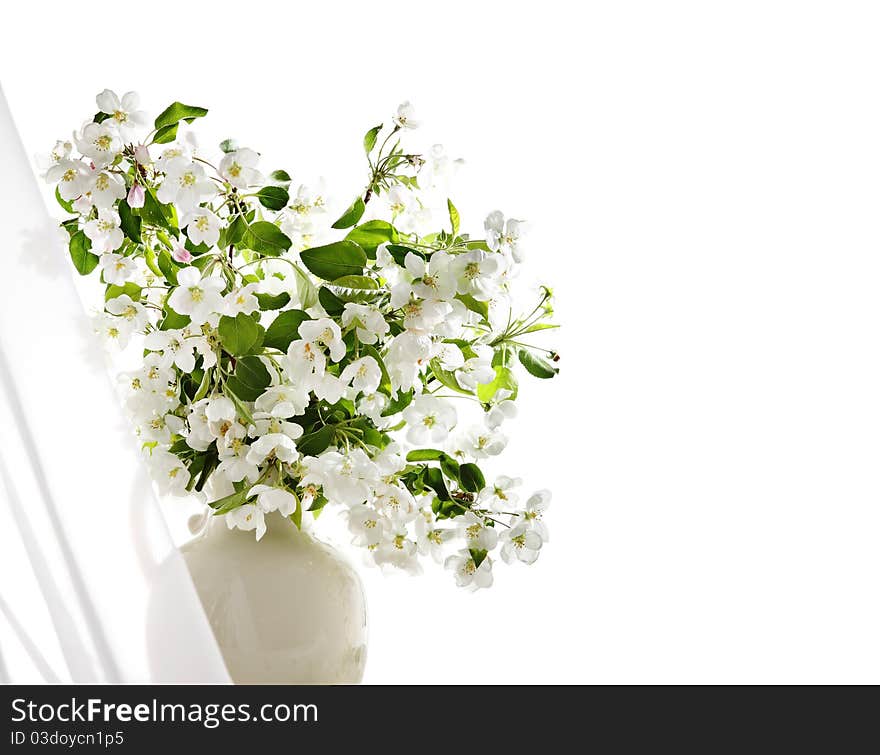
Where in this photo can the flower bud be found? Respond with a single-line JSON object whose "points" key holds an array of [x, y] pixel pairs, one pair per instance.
{"points": [[142, 154], [136, 196], [182, 254]]}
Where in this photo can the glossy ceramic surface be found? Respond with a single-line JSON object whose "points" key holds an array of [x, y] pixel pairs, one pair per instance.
{"points": [[285, 610]]}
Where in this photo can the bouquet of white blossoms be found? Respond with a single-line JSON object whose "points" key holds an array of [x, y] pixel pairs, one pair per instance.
{"points": [[292, 360]]}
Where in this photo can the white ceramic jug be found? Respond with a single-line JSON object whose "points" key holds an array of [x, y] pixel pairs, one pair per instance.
{"points": [[285, 610]]}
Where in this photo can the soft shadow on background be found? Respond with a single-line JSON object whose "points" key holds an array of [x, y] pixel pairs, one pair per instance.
{"points": [[81, 561]]}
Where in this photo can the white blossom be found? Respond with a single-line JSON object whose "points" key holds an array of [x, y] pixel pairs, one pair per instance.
{"points": [[198, 297], [60, 152], [72, 176], [435, 278], [273, 446], [203, 226], [234, 463], [175, 348], [369, 323], [477, 370], [481, 442], [247, 517], [169, 472], [477, 273], [533, 513], [283, 401], [405, 117], [347, 478], [132, 313], [501, 496], [472, 528], [430, 537], [239, 168], [363, 374], [123, 111], [185, 185], [504, 236], [429, 420], [117, 269], [104, 231], [499, 413], [467, 573], [105, 189], [99, 142], [274, 499], [324, 332], [521, 544], [367, 526]]}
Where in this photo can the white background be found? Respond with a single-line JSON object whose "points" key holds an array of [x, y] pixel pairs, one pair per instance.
{"points": [[702, 182]]}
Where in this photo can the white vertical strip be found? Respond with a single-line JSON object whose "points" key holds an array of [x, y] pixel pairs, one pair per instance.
{"points": [[89, 505]]}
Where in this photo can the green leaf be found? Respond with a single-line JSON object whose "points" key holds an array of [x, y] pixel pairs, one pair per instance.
{"points": [[351, 215], [313, 443], [450, 467], [129, 222], [132, 289], [333, 305], [232, 234], [447, 509], [403, 400], [229, 503], [539, 326], [209, 464], [269, 301], [284, 329], [250, 380], [454, 217], [166, 134], [297, 516], [372, 351], [399, 253], [83, 259], [196, 249], [240, 408], [335, 260], [168, 267], [154, 212], [504, 379], [251, 371], [238, 334], [65, 205], [280, 177], [101, 117], [371, 234], [204, 385], [305, 289], [354, 288], [474, 305], [177, 112], [446, 377], [434, 480], [471, 478], [266, 239], [173, 320], [478, 555], [228, 145], [370, 138], [425, 454], [273, 197], [536, 365]]}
